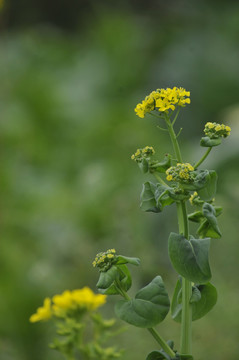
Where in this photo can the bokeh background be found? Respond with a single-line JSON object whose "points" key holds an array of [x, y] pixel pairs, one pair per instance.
{"points": [[71, 74]]}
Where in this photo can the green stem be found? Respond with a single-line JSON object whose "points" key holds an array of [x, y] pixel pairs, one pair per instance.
{"points": [[160, 180], [203, 158], [186, 324], [162, 342], [173, 139], [122, 292]]}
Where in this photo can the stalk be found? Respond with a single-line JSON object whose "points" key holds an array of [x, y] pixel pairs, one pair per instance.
{"points": [[202, 158], [162, 342], [186, 324]]}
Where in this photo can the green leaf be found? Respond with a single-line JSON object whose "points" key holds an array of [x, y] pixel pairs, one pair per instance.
{"points": [[203, 304], [208, 191], [162, 166], [178, 195], [147, 197], [158, 355], [107, 278], [208, 142], [127, 260], [106, 282], [205, 229], [144, 165], [196, 295], [197, 216], [190, 257], [150, 306], [210, 214], [162, 196]]}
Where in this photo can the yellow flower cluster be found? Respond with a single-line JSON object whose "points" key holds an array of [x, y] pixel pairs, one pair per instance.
{"points": [[143, 153], [104, 260], [180, 172], [69, 301], [214, 130], [163, 100]]}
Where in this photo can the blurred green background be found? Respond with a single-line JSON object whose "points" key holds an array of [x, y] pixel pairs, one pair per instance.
{"points": [[71, 75]]}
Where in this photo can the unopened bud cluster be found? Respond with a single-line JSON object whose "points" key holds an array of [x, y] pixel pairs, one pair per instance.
{"points": [[104, 260], [144, 153], [214, 130], [180, 172]]}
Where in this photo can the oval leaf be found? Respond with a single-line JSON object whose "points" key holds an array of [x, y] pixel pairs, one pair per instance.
{"points": [[190, 257], [207, 300], [150, 306]]}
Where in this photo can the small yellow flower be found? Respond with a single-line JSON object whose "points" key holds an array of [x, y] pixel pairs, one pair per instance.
{"points": [[169, 178], [163, 100], [43, 313], [218, 127], [192, 197], [86, 299], [63, 301]]}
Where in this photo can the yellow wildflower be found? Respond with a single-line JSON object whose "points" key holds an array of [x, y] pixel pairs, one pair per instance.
{"points": [[163, 100], [86, 299], [79, 299], [43, 313]]}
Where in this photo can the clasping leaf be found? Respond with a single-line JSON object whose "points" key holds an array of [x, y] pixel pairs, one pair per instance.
{"points": [[190, 257], [149, 307], [203, 299]]}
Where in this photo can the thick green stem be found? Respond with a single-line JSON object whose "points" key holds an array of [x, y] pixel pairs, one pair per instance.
{"points": [[186, 323], [162, 342], [202, 158]]}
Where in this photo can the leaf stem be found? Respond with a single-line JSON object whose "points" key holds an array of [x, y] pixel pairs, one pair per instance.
{"points": [[162, 342], [203, 158]]}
